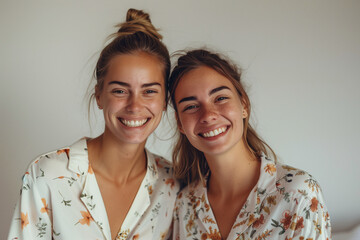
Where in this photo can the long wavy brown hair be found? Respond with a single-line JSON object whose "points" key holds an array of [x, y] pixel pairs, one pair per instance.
{"points": [[189, 163]]}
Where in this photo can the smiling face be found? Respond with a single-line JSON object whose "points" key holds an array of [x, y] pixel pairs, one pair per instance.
{"points": [[210, 112], [133, 97]]}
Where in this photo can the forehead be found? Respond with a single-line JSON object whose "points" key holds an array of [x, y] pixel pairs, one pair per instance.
{"points": [[135, 68], [201, 80]]}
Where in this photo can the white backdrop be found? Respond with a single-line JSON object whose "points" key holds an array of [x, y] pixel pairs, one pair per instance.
{"points": [[301, 61]]}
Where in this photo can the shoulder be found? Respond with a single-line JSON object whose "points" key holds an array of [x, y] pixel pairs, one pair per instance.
{"points": [[295, 205], [190, 200], [65, 161], [301, 193], [189, 193], [294, 179], [299, 188], [163, 168], [48, 164]]}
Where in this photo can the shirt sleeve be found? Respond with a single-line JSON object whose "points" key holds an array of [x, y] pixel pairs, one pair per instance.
{"points": [[313, 221], [31, 219]]}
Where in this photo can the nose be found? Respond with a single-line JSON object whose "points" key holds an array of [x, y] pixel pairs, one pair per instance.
{"points": [[135, 103], [208, 114]]}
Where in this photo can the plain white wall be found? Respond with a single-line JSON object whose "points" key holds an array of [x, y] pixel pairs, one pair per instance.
{"points": [[301, 61]]}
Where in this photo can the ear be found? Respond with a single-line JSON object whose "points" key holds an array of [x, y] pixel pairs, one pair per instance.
{"points": [[97, 97], [245, 112]]}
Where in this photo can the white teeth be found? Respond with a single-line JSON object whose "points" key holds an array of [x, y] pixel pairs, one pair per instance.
{"points": [[214, 132], [133, 123]]}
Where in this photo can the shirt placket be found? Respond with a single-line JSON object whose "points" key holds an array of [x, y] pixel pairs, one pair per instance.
{"points": [[204, 213], [251, 211], [139, 206], [247, 216], [92, 199], [141, 202]]}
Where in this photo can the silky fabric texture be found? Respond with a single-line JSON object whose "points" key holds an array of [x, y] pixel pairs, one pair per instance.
{"points": [[60, 199], [286, 203]]}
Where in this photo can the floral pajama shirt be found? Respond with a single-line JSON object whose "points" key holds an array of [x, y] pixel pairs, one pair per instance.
{"points": [[287, 203], [61, 199]]}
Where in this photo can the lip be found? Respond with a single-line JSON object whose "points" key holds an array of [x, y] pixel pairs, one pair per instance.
{"points": [[133, 123], [214, 133]]}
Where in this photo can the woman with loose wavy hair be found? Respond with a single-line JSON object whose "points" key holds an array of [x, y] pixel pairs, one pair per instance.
{"points": [[234, 187], [109, 187], [189, 162]]}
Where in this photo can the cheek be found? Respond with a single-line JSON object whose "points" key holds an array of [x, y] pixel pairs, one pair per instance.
{"points": [[187, 123], [156, 106], [112, 105], [234, 112]]}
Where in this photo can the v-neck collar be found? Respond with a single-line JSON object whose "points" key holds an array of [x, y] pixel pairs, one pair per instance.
{"points": [[142, 200], [250, 212], [91, 195]]}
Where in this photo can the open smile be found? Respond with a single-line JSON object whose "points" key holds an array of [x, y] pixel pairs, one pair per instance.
{"points": [[214, 132], [134, 123]]}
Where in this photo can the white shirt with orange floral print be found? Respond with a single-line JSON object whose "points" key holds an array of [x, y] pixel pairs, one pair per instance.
{"points": [[61, 199], [286, 203]]}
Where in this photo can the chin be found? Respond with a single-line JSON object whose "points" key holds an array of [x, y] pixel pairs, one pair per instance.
{"points": [[216, 150], [134, 140]]}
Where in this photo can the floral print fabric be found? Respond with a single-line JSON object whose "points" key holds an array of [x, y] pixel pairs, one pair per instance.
{"points": [[60, 199], [287, 203]]}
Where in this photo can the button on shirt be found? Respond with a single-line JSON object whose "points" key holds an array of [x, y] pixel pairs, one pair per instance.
{"points": [[287, 203], [61, 199]]}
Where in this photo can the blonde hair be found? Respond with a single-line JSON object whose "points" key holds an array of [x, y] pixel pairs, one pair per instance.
{"points": [[135, 35], [189, 163]]}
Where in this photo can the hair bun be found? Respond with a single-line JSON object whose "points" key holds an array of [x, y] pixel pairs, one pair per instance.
{"points": [[134, 14], [137, 21]]}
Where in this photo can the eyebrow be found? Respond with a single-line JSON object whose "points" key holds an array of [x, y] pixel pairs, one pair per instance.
{"points": [[210, 93], [218, 89], [128, 85], [187, 99]]}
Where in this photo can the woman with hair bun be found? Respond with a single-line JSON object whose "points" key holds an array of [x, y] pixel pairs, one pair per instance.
{"points": [[235, 187], [109, 187]]}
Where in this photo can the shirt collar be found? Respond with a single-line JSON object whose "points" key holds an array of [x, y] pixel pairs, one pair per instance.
{"points": [[152, 173], [268, 175], [91, 196], [250, 212], [79, 161], [266, 182], [78, 157], [142, 200], [251, 209]]}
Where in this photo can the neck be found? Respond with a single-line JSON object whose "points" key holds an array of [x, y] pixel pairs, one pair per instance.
{"points": [[116, 160], [233, 173]]}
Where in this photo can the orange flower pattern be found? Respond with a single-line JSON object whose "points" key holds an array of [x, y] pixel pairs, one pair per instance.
{"points": [[171, 182], [24, 220], [286, 203], [314, 204], [60, 199], [87, 218], [44, 209]]}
